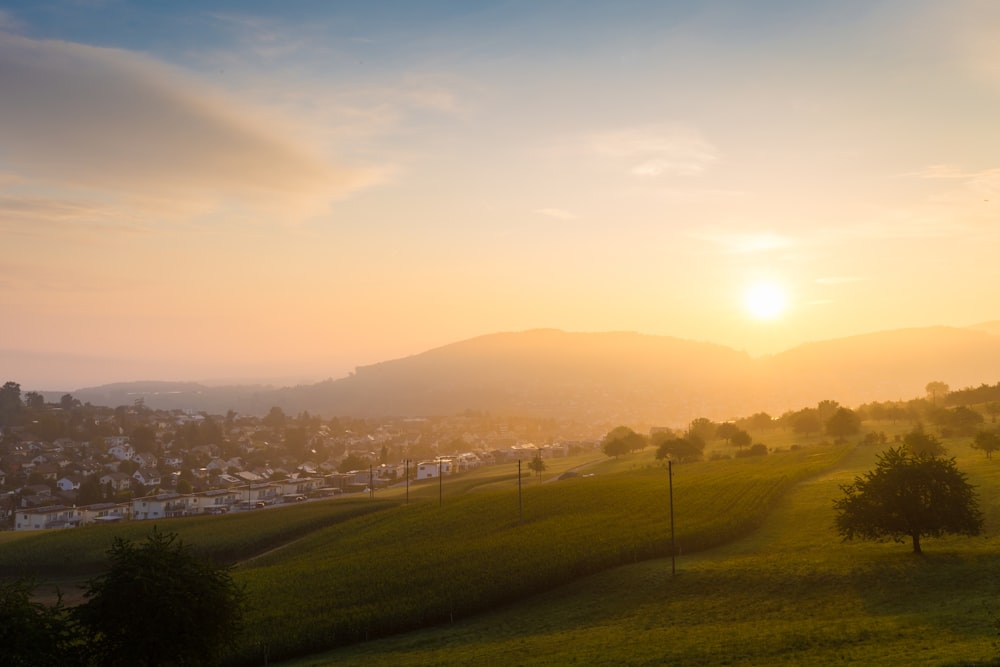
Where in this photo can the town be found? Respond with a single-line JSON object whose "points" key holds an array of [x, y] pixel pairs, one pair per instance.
{"points": [[69, 464]]}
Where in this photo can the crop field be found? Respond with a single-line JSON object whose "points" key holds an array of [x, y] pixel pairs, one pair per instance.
{"points": [[789, 593], [422, 564]]}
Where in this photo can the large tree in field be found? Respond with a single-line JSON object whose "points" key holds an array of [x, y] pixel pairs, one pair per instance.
{"points": [[987, 441], [159, 603], [842, 423], [622, 440], [908, 496]]}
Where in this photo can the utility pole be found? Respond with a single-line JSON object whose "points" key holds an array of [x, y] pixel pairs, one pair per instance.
{"points": [[371, 483], [520, 506], [673, 549], [440, 485], [407, 474]]}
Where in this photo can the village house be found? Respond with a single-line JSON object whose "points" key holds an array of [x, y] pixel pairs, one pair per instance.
{"points": [[161, 506], [147, 477], [69, 483], [145, 460], [104, 513], [45, 518], [293, 488], [432, 469], [118, 481], [216, 501], [122, 452]]}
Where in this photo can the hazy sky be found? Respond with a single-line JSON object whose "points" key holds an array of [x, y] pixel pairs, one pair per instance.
{"points": [[202, 190]]}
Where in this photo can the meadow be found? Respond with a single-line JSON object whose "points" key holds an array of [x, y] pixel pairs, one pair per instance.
{"points": [[788, 593], [579, 570]]}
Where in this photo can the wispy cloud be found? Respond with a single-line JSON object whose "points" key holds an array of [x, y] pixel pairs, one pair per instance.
{"points": [[839, 280], [984, 181], [557, 213], [743, 242], [657, 150], [75, 117]]}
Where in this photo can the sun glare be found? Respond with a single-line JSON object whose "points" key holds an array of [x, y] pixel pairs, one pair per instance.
{"points": [[765, 301]]}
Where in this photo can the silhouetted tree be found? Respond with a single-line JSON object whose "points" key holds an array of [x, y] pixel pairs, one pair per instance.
{"points": [[10, 403], [908, 496], [987, 441], [622, 440], [919, 443], [32, 633], [680, 450], [160, 604], [741, 439], [842, 423], [806, 421], [935, 390]]}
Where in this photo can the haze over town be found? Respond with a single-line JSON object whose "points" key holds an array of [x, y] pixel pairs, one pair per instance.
{"points": [[248, 190]]}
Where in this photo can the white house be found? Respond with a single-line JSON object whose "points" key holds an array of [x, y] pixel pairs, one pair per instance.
{"points": [[119, 481], [216, 501], [122, 452], [431, 469], [104, 513], [147, 477], [162, 506], [44, 518], [69, 483]]}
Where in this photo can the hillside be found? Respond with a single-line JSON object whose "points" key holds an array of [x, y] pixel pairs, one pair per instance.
{"points": [[611, 377]]}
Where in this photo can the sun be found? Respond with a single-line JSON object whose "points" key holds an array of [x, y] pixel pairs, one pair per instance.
{"points": [[765, 300]]}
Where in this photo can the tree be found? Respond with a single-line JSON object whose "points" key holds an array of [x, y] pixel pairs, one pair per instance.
{"points": [[10, 403], [537, 464], [681, 450], [726, 431], [703, 427], [919, 443], [143, 439], [353, 462], [842, 423], [935, 390], [90, 491], [160, 604], [806, 421], [987, 441], [907, 495], [622, 440], [32, 633], [34, 400], [964, 421], [741, 439]]}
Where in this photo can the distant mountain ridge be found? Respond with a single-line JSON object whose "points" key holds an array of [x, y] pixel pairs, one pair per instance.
{"points": [[619, 377]]}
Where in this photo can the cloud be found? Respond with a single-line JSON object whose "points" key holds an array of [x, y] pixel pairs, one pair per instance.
{"points": [[984, 181], [557, 213], [839, 280], [122, 127], [739, 242], [657, 150]]}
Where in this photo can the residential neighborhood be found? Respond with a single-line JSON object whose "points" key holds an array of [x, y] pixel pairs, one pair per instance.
{"points": [[68, 465]]}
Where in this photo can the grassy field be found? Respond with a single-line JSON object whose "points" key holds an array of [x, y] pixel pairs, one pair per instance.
{"points": [[423, 564], [578, 571], [790, 593]]}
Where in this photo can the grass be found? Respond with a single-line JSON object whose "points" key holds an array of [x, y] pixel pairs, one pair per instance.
{"points": [[583, 575], [421, 565], [790, 593], [235, 537]]}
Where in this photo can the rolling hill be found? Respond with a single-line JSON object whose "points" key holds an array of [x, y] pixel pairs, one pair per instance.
{"points": [[611, 377]]}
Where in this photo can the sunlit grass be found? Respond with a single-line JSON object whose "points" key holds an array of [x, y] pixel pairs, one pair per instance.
{"points": [[790, 593]]}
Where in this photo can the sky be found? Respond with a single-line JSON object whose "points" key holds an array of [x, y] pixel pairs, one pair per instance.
{"points": [[284, 191]]}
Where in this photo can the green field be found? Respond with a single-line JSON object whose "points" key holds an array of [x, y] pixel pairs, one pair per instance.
{"points": [[579, 571], [790, 593]]}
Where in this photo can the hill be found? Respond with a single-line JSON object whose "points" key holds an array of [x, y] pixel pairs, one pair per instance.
{"points": [[616, 377]]}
